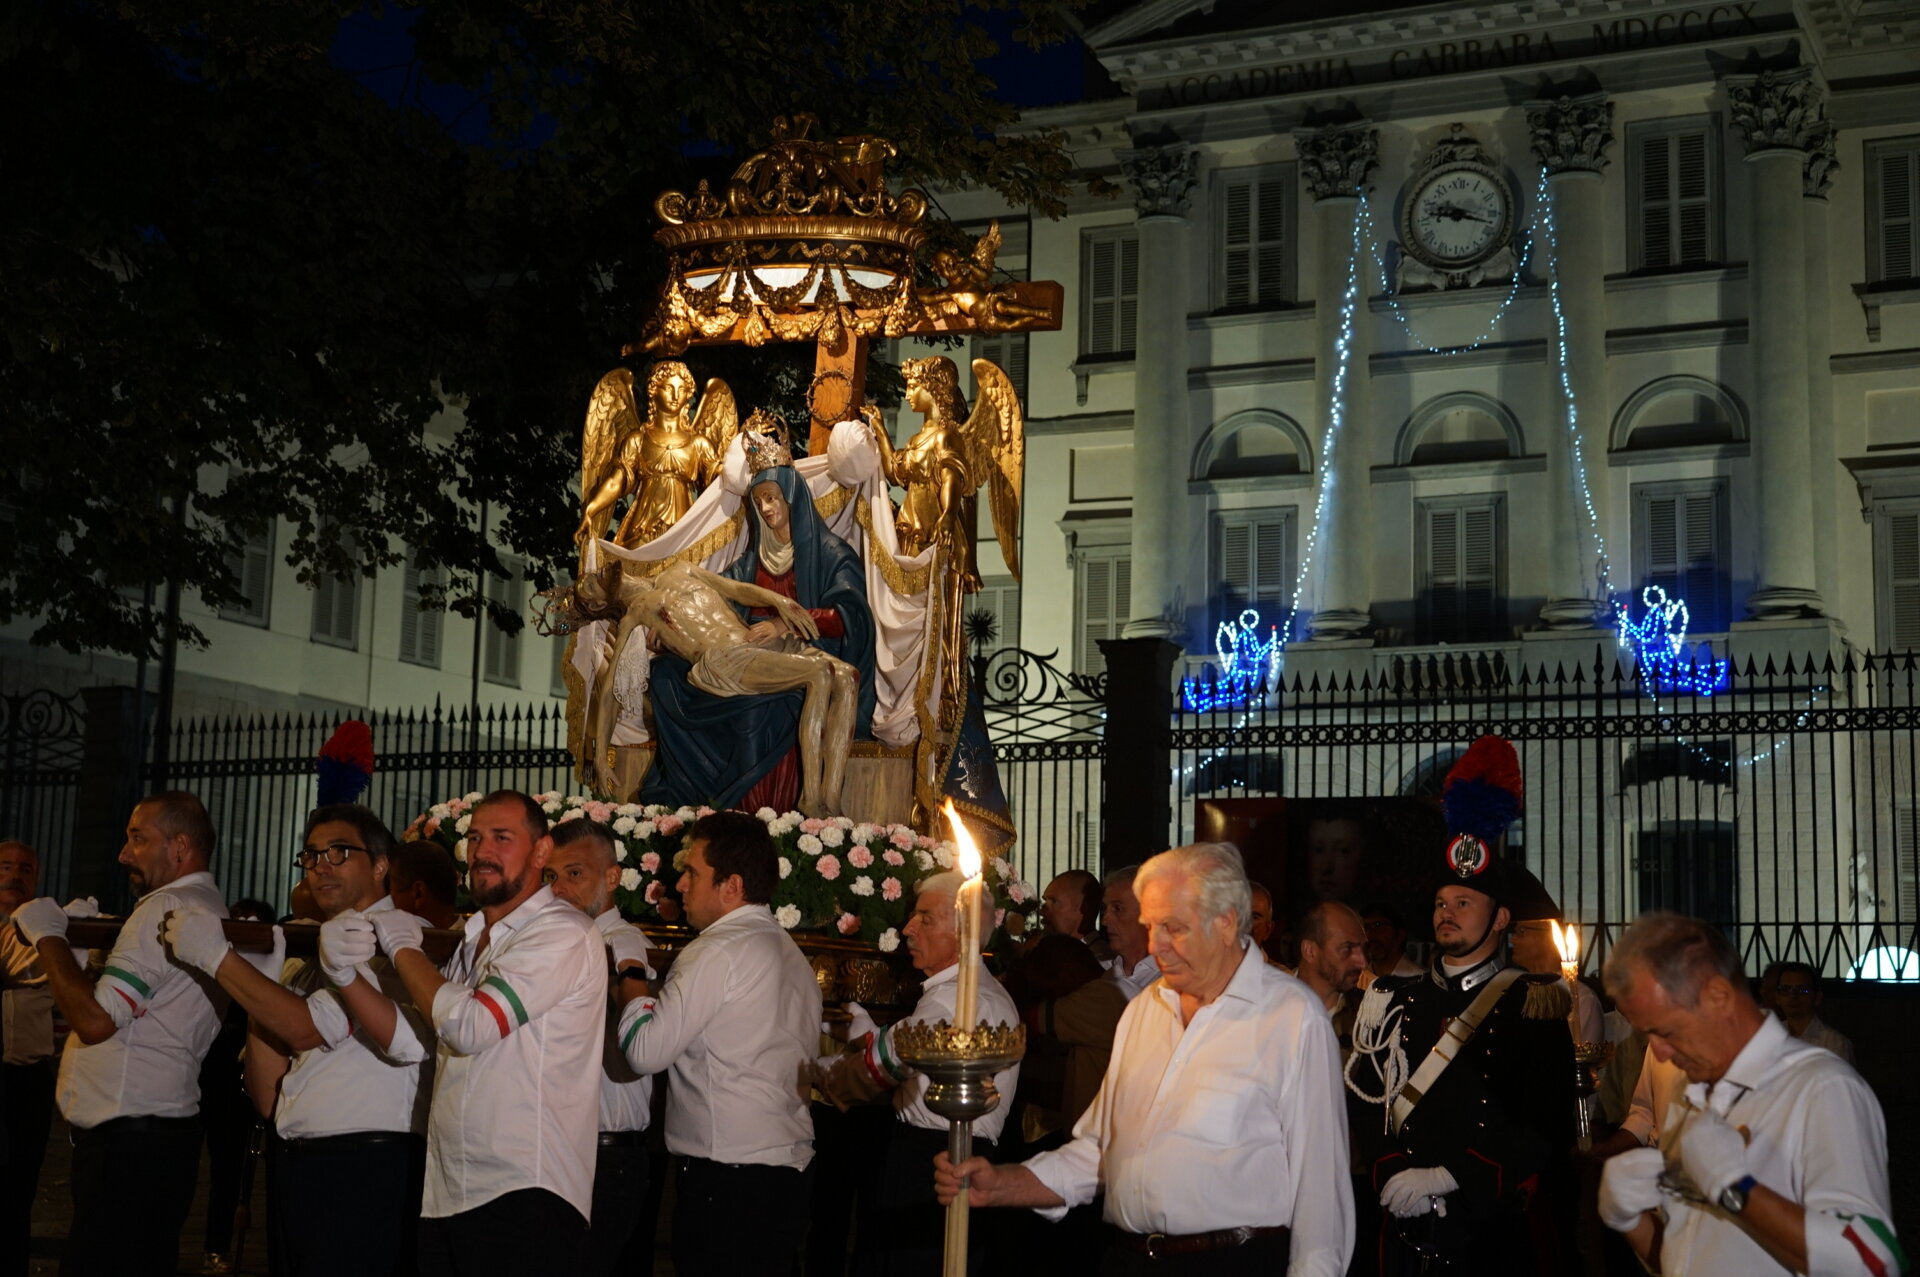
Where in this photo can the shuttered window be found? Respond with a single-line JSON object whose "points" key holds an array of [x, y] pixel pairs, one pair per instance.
{"points": [[336, 610], [1897, 565], [558, 685], [1109, 290], [1009, 352], [1893, 193], [1253, 237], [1253, 564], [252, 568], [419, 630], [500, 659], [1674, 188], [1680, 545], [999, 599], [1462, 557], [1103, 589], [1906, 847]]}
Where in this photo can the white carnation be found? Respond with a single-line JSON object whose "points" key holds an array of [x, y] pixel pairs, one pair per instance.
{"points": [[781, 826], [943, 855], [473, 798], [833, 836], [619, 849], [630, 809], [624, 825], [925, 861], [809, 844], [767, 815], [863, 832], [439, 810], [862, 886], [460, 851], [688, 814], [788, 916], [889, 940], [786, 866], [630, 879], [460, 825], [643, 829]]}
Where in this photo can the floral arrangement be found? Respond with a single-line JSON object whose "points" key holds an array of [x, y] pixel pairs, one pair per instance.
{"points": [[836, 875]]}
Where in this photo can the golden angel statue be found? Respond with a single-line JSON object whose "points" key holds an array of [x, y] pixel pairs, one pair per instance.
{"points": [[661, 460], [942, 467], [969, 289]]}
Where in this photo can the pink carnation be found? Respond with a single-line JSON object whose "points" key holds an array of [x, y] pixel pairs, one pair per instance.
{"points": [[999, 917], [669, 825], [829, 867], [812, 825], [848, 924], [433, 826], [650, 862], [703, 811], [923, 841], [893, 857], [902, 838], [455, 806], [889, 888], [860, 858], [655, 890], [1017, 892]]}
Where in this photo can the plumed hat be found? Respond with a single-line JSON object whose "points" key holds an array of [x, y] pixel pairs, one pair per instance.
{"points": [[346, 763], [1480, 799]]}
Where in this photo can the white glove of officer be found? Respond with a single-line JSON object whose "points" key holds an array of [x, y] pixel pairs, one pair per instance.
{"points": [[1413, 1191], [39, 918], [397, 929], [860, 1023], [1713, 1154], [1629, 1187], [83, 907], [347, 940], [195, 938], [628, 945]]}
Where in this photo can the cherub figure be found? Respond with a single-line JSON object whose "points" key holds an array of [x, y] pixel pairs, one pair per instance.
{"points": [[660, 460], [969, 290]]}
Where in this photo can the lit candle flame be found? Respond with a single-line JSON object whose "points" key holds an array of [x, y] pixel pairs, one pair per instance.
{"points": [[967, 855], [1567, 942]]}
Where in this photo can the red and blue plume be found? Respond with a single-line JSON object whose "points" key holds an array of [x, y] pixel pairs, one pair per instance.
{"points": [[346, 763], [1483, 790]]}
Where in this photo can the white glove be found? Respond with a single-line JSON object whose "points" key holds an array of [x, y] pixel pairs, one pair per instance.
{"points": [[1630, 1186], [628, 945], [39, 918], [271, 963], [860, 1023], [1412, 1191], [346, 941], [397, 929], [83, 907], [196, 938], [1713, 1154]]}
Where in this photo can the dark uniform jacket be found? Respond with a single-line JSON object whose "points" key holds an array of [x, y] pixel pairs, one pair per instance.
{"points": [[1500, 1119]]}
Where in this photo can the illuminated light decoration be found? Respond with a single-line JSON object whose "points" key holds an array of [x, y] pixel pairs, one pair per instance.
{"points": [[1543, 217], [1249, 665], [1413, 336], [1658, 642]]}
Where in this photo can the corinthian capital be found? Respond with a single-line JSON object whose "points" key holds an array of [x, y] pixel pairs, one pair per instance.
{"points": [[1572, 134], [1163, 178], [1773, 109], [1338, 159], [1823, 159]]}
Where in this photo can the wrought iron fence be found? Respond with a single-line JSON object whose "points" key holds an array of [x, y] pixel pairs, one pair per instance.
{"points": [[42, 745], [1786, 807], [1048, 732]]}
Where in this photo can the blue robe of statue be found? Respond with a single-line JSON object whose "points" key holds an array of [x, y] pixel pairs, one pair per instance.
{"points": [[713, 749]]}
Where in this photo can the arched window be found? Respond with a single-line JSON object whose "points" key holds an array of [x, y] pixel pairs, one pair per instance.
{"points": [[1258, 443], [1462, 426], [1677, 412]]}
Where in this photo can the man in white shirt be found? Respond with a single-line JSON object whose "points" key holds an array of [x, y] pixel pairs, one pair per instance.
{"points": [[585, 873], [28, 1035], [1774, 1158], [1219, 1132], [735, 1026], [519, 1010], [330, 1059], [1792, 991], [129, 1081], [1132, 968]]}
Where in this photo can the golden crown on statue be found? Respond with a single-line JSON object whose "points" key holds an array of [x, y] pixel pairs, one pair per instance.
{"points": [[765, 437]]}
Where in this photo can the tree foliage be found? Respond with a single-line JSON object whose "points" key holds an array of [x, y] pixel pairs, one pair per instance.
{"points": [[238, 278]]}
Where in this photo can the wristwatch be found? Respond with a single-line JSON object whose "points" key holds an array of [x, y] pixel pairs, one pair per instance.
{"points": [[1733, 1198]]}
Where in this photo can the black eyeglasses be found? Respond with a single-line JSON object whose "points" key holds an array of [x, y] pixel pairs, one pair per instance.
{"points": [[334, 853], [1802, 990]]}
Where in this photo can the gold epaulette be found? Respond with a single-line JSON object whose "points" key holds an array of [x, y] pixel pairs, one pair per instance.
{"points": [[1547, 999]]}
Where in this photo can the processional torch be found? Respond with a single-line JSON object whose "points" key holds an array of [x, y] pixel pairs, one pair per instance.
{"points": [[960, 1059], [1588, 1057]]}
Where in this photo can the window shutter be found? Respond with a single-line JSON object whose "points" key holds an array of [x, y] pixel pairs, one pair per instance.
{"points": [[1253, 240], [1270, 260], [1897, 181], [502, 655], [1096, 612], [1270, 566], [1903, 585], [1103, 296], [1700, 568], [419, 630], [1236, 568], [252, 568], [1676, 197], [1463, 572], [1009, 351], [1693, 182], [1906, 850], [1237, 241], [1656, 209]]}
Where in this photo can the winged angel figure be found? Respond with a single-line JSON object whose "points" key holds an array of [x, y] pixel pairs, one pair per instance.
{"points": [[970, 292], [661, 460], [949, 459]]}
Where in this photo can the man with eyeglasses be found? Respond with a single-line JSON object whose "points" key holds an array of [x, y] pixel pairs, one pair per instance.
{"points": [[1774, 1157], [129, 1082], [330, 1058], [520, 1011], [1792, 991]]}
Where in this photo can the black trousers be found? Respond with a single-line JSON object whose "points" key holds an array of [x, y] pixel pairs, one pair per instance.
{"points": [[903, 1233], [341, 1205], [1261, 1257], [29, 1113], [133, 1183], [729, 1221], [530, 1230], [619, 1199]]}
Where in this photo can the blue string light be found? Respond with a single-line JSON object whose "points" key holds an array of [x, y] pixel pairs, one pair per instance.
{"points": [[1658, 642], [1413, 337], [1249, 665]]}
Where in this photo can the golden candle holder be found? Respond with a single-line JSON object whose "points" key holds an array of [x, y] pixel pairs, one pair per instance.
{"points": [[959, 1065], [1588, 1059]]}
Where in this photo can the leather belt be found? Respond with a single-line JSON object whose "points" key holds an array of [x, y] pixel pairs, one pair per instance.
{"points": [[622, 1139], [1165, 1245], [350, 1142]]}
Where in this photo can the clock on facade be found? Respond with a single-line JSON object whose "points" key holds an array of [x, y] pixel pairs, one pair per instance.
{"points": [[1456, 220]]}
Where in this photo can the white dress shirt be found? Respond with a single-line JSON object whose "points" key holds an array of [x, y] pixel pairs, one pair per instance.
{"points": [[937, 999], [735, 1024], [1145, 972], [165, 1016], [626, 1097], [517, 1090], [27, 1004], [1235, 1119], [347, 1084], [1820, 1033], [1815, 1136]]}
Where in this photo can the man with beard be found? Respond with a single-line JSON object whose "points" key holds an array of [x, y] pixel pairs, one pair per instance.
{"points": [[520, 1009], [129, 1080]]}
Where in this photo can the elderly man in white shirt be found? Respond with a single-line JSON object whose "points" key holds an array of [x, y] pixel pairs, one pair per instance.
{"points": [[1774, 1157], [129, 1081], [585, 872], [338, 1074], [1220, 1133], [520, 1011], [1131, 968], [735, 1026]]}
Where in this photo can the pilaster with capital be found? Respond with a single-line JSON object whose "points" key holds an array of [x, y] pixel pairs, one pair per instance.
{"points": [[1822, 162], [1336, 161], [1571, 134], [1163, 178]]}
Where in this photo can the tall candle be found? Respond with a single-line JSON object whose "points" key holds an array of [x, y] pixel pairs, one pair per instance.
{"points": [[1568, 943], [966, 905]]}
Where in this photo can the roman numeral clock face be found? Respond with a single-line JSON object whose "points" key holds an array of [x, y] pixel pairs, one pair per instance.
{"points": [[1457, 217]]}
